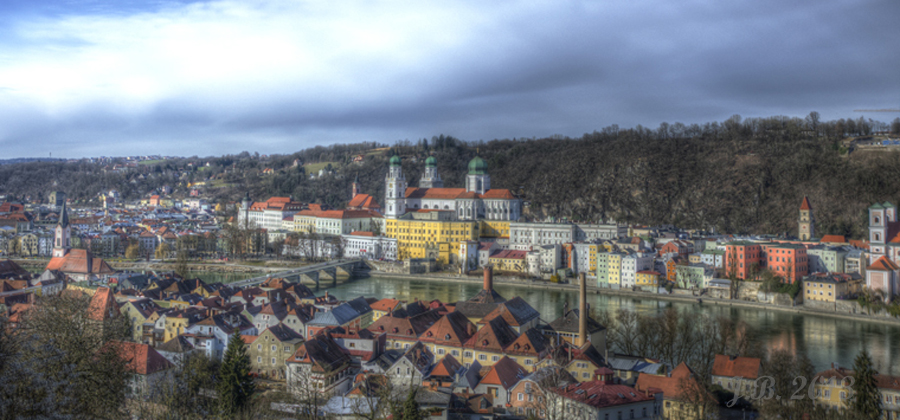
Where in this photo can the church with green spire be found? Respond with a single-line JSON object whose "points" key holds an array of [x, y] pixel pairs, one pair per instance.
{"points": [[476, 201]]}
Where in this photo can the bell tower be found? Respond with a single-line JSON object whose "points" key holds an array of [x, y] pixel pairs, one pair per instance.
{"points": [[62, 234], [807, 222], [395, 192]]}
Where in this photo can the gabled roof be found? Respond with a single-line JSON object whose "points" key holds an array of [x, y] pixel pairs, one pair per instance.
{"points": [[805, 204], [282, 333], [79, 261], [141, 358], [742, 367], [883, 264], [452, 329], [385, 305], [569, 323], [529, 343], [672, 386], [600, 394], [103, 305], [516, 312], [505, 373], [322, 352], [495, 336], [447, 367], [178, 344]]}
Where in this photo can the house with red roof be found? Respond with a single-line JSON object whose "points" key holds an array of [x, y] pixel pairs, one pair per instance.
{"points": [[146, 365], [736, 374], [499, 379], [682, 393], [602, 398]]}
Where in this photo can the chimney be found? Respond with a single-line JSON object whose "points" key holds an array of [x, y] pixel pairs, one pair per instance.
{"points": [[488, 278], [582, 310], [326, 296]]}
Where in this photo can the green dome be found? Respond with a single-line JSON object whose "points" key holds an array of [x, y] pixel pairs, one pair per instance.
{"points": [[431, 162], [395, 160], [477, 166]]}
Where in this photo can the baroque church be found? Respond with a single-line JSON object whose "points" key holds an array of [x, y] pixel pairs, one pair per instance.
{"points": [[477, 201]]}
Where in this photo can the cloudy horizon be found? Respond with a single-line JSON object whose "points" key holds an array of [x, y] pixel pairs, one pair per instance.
{"points": [[91, 78]]}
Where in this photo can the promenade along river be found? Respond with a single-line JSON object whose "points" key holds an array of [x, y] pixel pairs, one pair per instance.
{"points": [[825, 339]]}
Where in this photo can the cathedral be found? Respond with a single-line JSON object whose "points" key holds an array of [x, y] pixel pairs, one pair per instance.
{"points": [[77, 264], [477, 201]]}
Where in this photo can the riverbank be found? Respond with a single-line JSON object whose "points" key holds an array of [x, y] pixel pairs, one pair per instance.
{"points": [[212, 267], [456, 278]]}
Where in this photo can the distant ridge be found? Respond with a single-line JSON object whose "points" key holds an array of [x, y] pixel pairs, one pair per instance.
{"points": [[26, 160]]}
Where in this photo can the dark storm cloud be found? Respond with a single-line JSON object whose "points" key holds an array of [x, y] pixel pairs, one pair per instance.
{"points": [[222, 77]]}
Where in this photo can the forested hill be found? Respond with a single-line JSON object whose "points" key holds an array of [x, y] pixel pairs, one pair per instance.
{"points": [[743, 176]]}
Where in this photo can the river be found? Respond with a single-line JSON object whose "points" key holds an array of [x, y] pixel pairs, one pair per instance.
{"points": [[825, 339]]}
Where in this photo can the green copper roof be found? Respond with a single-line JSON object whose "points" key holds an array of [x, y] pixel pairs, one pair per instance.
{"points": [[876, 206], [431, 162], [395, 160], [477, 166], [888, 204]]}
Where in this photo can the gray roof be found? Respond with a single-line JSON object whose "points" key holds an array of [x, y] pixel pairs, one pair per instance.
{"points": [[343, 313]]}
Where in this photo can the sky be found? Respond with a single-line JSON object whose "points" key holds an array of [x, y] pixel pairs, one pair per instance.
{"points": [[117, 78]]}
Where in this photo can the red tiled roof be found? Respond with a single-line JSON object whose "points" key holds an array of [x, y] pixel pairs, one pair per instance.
{"points": [[672, 386], [103, 305], [510, 254], [805, 204], [142, 359], [883, 264], [743, 367], [361, 233], [862, 244], [448, 366], [834, 239], [600, 394], [363, 201], [498, 193], [79, 261], [385, 304]]}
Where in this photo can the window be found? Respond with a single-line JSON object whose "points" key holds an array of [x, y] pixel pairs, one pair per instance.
{"points": [[274, 348], [259, 346], [258, 359], [455, 353], [287, 349], [441, 351], [495, 358], [585, 375], [482, 357], [521, 396], [273, 360]]}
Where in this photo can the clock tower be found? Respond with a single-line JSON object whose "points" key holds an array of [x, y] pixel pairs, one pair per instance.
{"points": [[395, 193], [62, 234]]}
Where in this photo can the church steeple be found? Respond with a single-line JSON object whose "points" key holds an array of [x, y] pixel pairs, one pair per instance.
{"points": [[62, 234], [807, 223]]}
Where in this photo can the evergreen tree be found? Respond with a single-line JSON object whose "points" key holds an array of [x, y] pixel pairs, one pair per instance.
{"points": [[866, 400], [235, 384], [410, 408]]}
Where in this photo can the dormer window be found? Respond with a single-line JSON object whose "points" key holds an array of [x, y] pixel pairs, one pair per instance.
{"points": [[484, 342]]}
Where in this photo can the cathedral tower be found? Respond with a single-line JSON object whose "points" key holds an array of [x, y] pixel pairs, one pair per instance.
{"points": [[395, 194], [431, 179]]}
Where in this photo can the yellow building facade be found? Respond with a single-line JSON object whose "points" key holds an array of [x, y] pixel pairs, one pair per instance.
{"points": [[615, 268], [438, 239], [647, 279], [494, 228]]}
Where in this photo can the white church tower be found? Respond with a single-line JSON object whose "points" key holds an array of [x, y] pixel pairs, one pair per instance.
{"points": [[395, 195], [62, 234], [431, 179], [478, 180]]}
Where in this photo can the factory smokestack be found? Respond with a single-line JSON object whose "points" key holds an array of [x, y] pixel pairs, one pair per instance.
{"points": [[488, 278], [582, 310]]}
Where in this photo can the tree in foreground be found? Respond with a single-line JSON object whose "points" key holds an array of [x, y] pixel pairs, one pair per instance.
{"points": [[235, 385], [866, 400], [410, 408]]}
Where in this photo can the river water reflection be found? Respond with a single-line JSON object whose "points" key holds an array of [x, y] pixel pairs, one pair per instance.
{"points": [[825, 339]]}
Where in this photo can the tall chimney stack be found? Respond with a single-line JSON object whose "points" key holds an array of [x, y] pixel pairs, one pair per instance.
{"points": [[488, 278], [582, 310]]}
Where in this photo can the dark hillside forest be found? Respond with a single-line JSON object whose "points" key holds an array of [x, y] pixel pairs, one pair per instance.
{"points": [[741, 176]]}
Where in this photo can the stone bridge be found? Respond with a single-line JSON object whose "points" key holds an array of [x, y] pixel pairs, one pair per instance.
{"points": [[314, 273]]}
